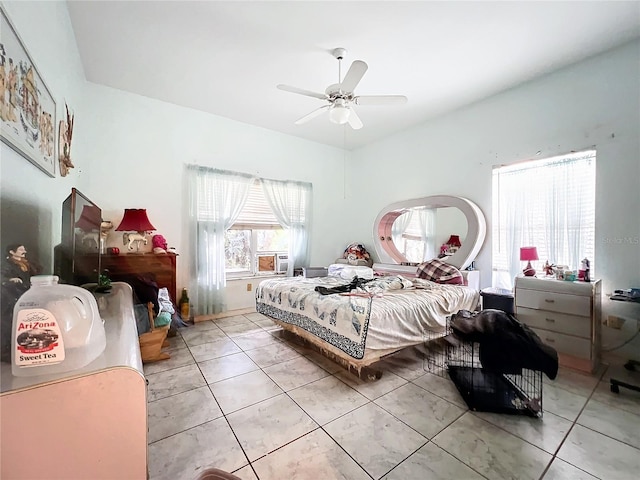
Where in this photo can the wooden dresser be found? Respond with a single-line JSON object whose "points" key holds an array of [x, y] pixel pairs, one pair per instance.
{"points": [[565, 315], [162, 266]]}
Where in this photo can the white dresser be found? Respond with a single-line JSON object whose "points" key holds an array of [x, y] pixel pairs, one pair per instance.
{"points": [[565, 315]]}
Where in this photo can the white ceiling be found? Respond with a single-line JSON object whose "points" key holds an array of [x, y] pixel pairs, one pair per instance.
{"points": [[226, 58]]}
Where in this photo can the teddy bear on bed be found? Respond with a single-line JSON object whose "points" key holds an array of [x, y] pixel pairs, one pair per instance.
{"points": [[356, 254]]}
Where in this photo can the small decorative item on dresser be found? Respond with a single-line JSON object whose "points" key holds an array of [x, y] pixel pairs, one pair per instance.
{"points": [[159, 244], [526, 255], [105, 226], [560, 269], [104, 282], [586, 268]]}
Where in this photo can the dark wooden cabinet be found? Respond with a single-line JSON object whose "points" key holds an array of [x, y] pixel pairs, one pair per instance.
{"points": [[161, 266]]}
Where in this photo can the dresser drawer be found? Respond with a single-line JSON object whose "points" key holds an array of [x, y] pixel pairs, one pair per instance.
{"points": [[557, 322], [137, 263], [569, 345], [161, 266], [554, 302]]}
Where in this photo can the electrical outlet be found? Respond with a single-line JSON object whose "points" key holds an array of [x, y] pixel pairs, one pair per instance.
{"points": [[249, 287], [614, 321]]}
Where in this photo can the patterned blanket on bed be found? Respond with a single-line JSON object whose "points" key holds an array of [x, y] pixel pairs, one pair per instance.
{"points": [[340, 319]]}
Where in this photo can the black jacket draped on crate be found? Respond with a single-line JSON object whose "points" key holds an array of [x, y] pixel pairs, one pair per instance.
{"points": [[506, 345]]}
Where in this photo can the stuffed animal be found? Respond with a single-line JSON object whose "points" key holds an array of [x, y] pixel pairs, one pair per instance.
{"points": [[356, 254], [159, 244]]}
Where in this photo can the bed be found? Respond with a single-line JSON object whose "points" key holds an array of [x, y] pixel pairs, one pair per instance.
{"points": [[357, 327], [396, 310]]}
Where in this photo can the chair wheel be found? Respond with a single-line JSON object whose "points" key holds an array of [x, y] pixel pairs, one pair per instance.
{"points": [[614, 388]]}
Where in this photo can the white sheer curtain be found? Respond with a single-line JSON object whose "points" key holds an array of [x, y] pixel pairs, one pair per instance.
{"points": [[427, 220], [215, 199], [291, 204], [400, 226], [548, 204]]}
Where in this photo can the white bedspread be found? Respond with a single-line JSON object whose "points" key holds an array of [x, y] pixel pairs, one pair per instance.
{"points": [[401, 318], [383, 314]]}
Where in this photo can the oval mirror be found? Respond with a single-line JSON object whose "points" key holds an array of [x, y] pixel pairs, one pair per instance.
{"points": [[412, 231]]}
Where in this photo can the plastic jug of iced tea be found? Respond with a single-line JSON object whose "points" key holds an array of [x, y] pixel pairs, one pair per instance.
{"points": [[56, 329]]}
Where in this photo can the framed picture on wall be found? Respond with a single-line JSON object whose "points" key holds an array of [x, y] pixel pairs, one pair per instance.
{"points": [[27, 108]]}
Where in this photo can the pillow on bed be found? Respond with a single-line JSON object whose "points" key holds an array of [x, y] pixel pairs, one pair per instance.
{"points": [[440, 272]]}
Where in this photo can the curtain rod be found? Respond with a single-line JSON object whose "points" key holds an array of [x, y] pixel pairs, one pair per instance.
{"points": [[192, 166]]}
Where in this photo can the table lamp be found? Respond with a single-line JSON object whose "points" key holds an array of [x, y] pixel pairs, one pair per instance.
{"points": [[89, 223], [90, 218], [526, 255], [454, 243], [135, 219]]}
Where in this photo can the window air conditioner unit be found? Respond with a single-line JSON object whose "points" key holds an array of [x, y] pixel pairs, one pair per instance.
{"points": [[266, 263], [282, 262]]}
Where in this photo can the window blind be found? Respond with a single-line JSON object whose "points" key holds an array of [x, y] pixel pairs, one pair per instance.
{"points": [[256, 212], [549, 204]]}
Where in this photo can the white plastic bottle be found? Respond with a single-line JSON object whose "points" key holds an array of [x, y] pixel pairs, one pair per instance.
{"points": [[56, 329]]}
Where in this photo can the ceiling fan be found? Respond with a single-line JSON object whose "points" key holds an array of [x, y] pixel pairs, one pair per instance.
{"points": [[341, 97]]}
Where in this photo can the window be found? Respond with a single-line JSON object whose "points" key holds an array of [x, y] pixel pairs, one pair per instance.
{"points": [[220, 200], [549, 204], [414, 234], [411, 243], [255, 243]]}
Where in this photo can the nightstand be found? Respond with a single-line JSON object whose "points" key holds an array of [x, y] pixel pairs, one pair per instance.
{"points": [[497, 298], [565, 315]]}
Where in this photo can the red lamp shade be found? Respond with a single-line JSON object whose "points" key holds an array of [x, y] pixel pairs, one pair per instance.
{"points": [[526, 255], [90, 218], [454, 241], [135, 219]]}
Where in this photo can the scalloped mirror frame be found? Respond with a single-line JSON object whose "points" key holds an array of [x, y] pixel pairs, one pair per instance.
{"points": [[476, 228]]}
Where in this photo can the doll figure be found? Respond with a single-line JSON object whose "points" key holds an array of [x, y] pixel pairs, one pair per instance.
{"points": [[159, 244]]}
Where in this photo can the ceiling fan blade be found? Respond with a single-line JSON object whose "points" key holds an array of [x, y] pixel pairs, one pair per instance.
{"points": [[380, 100], [353, 76], [311, 115], [300, 91], [354, 120]]}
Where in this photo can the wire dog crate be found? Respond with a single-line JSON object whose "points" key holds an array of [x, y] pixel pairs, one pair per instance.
{"points": [[486, 391], [483, 390]]}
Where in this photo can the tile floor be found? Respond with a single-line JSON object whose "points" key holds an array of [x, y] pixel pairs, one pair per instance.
{"points": [[237, 396]]}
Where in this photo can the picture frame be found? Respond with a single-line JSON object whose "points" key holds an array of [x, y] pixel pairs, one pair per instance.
{"points": [[27, 108]]}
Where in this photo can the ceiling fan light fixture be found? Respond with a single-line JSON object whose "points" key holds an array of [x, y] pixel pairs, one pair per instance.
{"points": [[340, 97], [339, 114]]}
